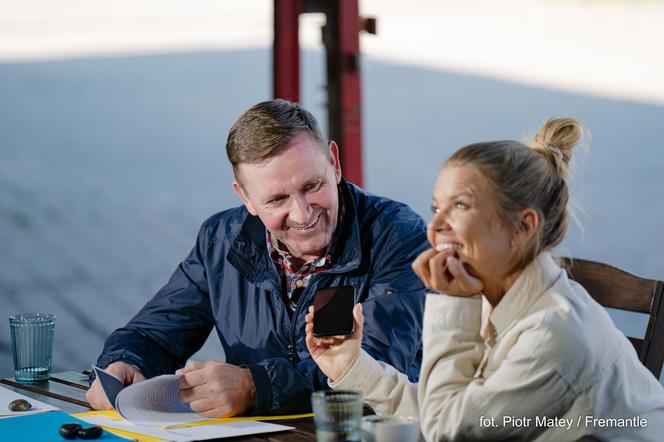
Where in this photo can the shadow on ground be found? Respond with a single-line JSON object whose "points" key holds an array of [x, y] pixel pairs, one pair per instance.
{"points": [[109, 165]]}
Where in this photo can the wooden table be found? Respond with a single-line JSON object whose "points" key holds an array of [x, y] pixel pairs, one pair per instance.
{"points": [[66, 391]]}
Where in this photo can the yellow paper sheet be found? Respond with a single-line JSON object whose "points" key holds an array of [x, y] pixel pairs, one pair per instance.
{"points": [[222, 420], [122, 433]]}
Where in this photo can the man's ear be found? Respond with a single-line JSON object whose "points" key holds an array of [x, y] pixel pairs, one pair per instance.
{"points": [[334, 157], [237, 187]]}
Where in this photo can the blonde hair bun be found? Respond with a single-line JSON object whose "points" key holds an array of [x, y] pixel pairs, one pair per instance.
{"points": [[556, 139]]}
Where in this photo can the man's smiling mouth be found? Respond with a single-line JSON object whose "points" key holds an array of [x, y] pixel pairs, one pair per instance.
{"points": [[309, 226]]}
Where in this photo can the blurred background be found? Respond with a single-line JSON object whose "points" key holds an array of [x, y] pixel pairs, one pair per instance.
{"points": [[113, 121]]}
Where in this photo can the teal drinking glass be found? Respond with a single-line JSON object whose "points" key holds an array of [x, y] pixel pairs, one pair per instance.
{"points": [[337, 415], [32, 346]]}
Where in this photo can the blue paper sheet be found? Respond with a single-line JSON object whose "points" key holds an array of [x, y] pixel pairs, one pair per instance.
{"points": [[41, 427]]}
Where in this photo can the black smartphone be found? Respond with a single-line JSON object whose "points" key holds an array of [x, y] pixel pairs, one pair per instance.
{"points": [[333, 311]]}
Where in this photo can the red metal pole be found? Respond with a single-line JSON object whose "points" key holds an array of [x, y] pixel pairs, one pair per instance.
{"points": [[286, 50], [342, 43], [348, 41]]}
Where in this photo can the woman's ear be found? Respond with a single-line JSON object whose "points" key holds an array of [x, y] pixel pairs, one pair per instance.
{"points": [[527, 225], [528, 222]]}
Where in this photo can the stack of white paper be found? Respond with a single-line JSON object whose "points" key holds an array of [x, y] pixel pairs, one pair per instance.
{"points": [[155, 403], [198, 432]]}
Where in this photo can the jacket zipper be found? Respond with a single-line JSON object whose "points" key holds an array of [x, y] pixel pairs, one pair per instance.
{"points": [[292, 351]]}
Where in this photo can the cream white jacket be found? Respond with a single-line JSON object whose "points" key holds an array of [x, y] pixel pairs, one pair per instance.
{"points": [[546, 364]]}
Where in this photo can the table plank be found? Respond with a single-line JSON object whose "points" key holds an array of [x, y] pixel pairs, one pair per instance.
{"points": [[71, 378], [52, 389], [65, 406]]}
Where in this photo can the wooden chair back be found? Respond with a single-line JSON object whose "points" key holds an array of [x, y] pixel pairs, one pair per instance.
{"points": [[621, 290]]}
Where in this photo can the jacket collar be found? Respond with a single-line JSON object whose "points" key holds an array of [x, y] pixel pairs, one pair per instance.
{"points": [[347, 252], [535, 279], [249, 252]]}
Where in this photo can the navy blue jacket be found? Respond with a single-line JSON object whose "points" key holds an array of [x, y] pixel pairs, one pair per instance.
{"points": [[229, 281]]}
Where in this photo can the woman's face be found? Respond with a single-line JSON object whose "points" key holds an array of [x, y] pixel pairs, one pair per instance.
{"points": [[466, 224]]}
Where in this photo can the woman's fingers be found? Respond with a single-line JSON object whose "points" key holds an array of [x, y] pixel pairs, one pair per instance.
{"points": [[421, 266], [325, 342], [309, 317], [443, 272], [466, 284], [440, 279], [310, 342], [358, 318]]}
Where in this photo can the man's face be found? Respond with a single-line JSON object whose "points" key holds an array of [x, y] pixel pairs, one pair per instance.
{"points": [[295, 195]]}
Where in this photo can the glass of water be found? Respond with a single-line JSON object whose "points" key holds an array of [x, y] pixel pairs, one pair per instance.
{"points": [[32, 346], [337, 415]]}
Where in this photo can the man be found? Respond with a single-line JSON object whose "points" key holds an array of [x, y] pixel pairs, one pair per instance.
{"points": [[254, 270]]}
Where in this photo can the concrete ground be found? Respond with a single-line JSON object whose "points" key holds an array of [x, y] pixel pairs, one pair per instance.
{"points": [[113, 122]]}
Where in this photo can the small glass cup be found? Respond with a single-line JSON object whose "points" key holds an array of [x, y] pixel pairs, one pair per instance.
{"points": [[32, 346], [390, 429], [337, 415]]}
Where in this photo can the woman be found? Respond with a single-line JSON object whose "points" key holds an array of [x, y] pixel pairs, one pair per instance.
{"points": [[512, 347]]}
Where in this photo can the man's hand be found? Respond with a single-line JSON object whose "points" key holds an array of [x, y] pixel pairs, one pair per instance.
{"points": [[334, 355], [444, 273], [127, 374], [217, 389]]}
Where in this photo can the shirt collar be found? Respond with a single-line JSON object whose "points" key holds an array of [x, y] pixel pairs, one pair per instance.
{"points": [[280, 254], [535, 279]]}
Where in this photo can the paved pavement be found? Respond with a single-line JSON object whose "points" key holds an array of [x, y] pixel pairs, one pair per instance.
{"points": [[108, 165]]}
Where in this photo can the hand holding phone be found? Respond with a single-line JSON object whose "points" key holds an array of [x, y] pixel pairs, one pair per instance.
{"points": [[334, 355], [333, 311]]}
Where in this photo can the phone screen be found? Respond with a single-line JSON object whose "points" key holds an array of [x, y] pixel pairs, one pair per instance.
{"points": [[333, 311]]}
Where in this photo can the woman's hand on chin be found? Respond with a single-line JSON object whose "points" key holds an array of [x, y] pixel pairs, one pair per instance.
{"points": [[444, 273]]}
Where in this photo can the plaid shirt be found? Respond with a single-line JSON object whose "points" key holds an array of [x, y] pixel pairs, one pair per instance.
{"points": [[296, 282]]}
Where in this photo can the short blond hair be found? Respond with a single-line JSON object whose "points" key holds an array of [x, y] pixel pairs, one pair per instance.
{"points": [[266, 129]]}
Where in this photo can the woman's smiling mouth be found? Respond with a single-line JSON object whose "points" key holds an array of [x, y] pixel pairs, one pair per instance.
{"points": [[448, 246]]}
